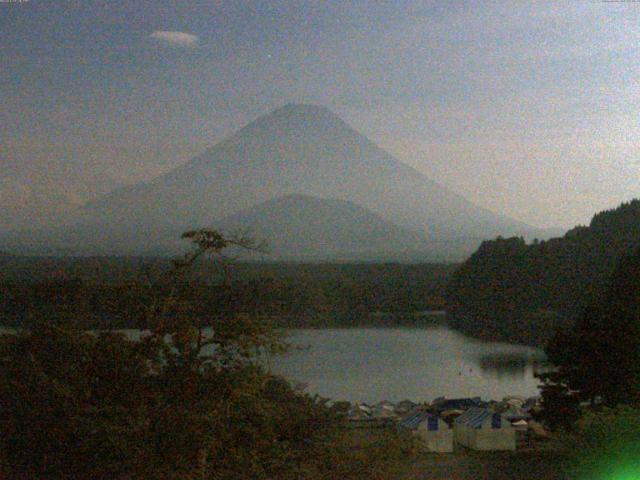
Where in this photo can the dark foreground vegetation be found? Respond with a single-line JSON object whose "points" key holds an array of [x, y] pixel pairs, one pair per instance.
{"points": [[520, 292], [96, 405], [112, 292], [470, 465], [592, 398], [79, 404], [598, 359]]}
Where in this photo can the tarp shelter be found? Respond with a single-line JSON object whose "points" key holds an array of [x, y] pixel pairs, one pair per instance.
{"points": [[482, 429], [434, 432]]}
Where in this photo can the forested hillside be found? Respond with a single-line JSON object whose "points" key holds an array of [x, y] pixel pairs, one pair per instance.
{"points": [[516, 291], [109, 292]]}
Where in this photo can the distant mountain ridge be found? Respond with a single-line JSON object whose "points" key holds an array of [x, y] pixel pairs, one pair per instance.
{"points": [[297, 149], [303, 226]]}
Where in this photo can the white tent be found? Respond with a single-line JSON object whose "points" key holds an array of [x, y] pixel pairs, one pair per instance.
{"points": [[482, 429], [384, 410], [431, 430], [357, 414], [404, 407]]}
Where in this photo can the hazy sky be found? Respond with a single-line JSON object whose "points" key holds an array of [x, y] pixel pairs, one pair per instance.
{"points": [[529, 108]]}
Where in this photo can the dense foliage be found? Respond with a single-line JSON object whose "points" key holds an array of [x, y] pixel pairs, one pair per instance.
{"points": [[605, 445], [598, 359], [108, 292], [182, 402], [80, 405], [515, 291]]}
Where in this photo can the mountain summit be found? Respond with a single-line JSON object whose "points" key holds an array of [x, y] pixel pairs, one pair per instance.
{"points": [[296, 149]]}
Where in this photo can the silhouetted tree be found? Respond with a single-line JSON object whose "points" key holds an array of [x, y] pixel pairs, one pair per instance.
{"points": [[184, 401], [598, 361], [506, 289]]}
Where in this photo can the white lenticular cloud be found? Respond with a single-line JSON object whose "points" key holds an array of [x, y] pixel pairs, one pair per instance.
{"points": [[176, 39]]}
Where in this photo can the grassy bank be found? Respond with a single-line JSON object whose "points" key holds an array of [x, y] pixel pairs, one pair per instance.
{"points": [[526, 464]]}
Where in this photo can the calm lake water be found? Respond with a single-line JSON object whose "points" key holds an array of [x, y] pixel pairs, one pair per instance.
{"points": [[374, 364]]}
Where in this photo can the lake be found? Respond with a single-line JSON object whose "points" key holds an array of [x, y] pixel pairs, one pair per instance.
{"points": [[374, 364]]}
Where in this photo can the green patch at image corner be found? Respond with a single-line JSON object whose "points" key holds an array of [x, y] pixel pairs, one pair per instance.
{"points": [[623, 467], [625, 473]]}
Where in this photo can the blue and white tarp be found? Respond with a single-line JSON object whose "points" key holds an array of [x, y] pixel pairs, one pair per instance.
{"points": [[476, 417]]}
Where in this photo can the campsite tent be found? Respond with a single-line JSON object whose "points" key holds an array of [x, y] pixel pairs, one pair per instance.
{"points": [[383, 410], [431, 430], [482, 429]]}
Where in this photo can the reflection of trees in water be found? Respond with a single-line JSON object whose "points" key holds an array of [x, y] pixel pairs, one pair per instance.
{"points": [[513, 365]]}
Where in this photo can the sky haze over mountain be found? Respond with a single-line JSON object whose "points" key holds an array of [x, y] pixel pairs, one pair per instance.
{"points": [[529, 109]]}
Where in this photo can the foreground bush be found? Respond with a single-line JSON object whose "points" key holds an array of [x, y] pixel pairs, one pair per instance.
{"points": [[606, 445], [79, 405], [76, 405], [182, 402]]}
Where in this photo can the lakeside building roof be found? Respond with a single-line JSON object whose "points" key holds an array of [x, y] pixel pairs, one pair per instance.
{"points": [[413, 420], [457, 403], [476, 417]]}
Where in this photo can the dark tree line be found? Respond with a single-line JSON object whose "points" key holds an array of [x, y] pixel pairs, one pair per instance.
{"points": [[515, 291], [295, 295], [598, 359]]}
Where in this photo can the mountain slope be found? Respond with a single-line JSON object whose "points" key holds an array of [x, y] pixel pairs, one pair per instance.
{"points": [[35, 198], [295, 149], [304, 226], [29, 201], [300, 149]]}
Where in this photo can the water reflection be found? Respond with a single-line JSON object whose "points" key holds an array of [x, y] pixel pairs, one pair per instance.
{"points": [[369, 364], [374, 364], [513, 364]]}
